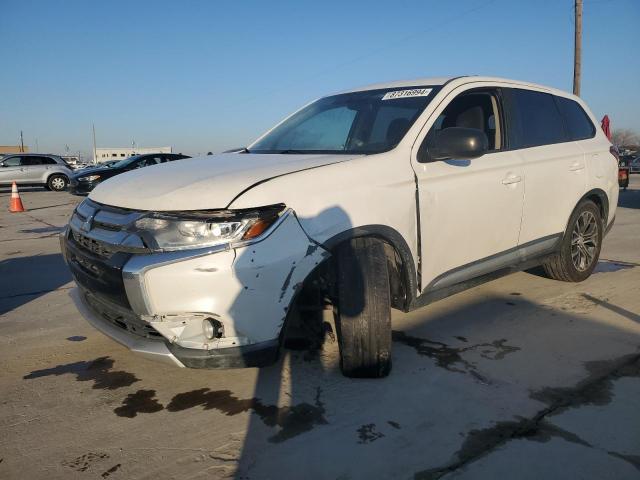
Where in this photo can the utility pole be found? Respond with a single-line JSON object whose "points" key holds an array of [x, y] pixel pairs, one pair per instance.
{"points": [[95, 154], [21, 143], [37, 147], [577, 48]]}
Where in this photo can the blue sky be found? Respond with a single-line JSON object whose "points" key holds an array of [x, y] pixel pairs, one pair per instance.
{"points": [[212, 75]]}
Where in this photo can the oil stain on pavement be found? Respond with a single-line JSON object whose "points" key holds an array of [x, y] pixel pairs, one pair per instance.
{"points": [[596, 389], [83, 462], [111, 470], [97, 371], [450, 358], [292, 420], [76, 338], [142, 401], [368, 433]]}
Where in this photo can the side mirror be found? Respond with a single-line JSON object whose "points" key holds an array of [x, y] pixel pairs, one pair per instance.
{"points": [[454, 142]]}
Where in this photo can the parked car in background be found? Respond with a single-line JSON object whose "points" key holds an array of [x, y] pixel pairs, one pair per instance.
{"points": [[634, 166], [85, 180], [624, 169], [388, 196], [50, 171]]}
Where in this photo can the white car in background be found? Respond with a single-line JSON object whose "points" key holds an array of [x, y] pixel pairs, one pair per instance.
{"points": [[388, 196], [634, 166]]}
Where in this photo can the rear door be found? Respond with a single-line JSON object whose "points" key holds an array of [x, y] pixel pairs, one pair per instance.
{"points": [[12, 170], [34, 168], [470, 210], [554, 166]]}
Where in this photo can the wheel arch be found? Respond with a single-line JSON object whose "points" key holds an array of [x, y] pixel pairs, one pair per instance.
{"points": [[402, 274], [600, 198]]}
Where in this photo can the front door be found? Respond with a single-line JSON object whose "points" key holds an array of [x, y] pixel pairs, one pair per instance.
{"points": [[470, 210], [12, 170]]}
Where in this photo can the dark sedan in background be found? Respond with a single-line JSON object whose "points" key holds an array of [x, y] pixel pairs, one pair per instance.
{"points": [[85, 180]]}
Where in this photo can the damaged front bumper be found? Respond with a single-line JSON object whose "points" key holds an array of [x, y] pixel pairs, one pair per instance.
{"points": [[155, 304]]}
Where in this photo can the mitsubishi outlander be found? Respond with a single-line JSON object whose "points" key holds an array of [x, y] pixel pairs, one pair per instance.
{"points": [[394, 195]]}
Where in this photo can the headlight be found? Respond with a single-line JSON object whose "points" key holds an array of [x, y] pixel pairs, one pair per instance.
{"points": [[183, 230], [89, 178]]}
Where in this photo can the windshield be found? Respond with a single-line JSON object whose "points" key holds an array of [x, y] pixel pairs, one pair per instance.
{"points": [[124, 163], [370, 121]]}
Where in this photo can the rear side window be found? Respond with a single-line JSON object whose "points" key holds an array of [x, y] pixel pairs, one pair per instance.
{"points": [[31, 161], [534, 119], [578, 124]]}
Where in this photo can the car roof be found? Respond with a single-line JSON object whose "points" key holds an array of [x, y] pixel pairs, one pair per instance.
{"points": [[25, 154], [440, 81]]}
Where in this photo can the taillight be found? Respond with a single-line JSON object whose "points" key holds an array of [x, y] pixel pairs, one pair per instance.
{"points": [[614, 151]]}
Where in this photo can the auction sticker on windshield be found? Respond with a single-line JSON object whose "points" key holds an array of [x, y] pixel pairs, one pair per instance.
{"points": [[414, 92]]}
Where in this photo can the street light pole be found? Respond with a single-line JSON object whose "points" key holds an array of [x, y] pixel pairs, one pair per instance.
{"points": [[577, 48], [95, 155]]}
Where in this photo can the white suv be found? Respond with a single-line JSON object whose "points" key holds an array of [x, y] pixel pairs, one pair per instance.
{"points": [[388, 196]]}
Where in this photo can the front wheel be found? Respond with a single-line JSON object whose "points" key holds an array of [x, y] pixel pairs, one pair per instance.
{"points": [[363, 310], [580, 247], [57, 183]]}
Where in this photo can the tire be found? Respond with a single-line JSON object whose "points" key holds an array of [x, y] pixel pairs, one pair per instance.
{"points": [[57, 183], [363, 310], [576, 259]]}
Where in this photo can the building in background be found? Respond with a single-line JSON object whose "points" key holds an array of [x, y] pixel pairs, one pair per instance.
{"points": [[7, 149], [108, 154]]}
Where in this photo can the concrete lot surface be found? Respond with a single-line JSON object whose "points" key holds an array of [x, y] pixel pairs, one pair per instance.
{"points": [[522, 377]]}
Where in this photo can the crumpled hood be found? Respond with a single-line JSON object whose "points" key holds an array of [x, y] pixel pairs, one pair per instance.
{"points": [[201, 183]]}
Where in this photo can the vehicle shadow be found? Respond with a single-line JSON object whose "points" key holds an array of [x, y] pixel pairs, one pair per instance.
{"points": [[22, 279], [462, 378], [298, 404]]}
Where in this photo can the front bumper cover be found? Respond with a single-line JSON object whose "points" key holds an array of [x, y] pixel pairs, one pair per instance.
{"points": [[158, 349]]}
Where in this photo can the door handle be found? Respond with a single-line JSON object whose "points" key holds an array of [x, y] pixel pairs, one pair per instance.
{"points": [[576, 167], [511, 179]]}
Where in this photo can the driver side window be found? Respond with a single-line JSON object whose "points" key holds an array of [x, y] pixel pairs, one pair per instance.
{"points": [[11, 162], [474, 109]]}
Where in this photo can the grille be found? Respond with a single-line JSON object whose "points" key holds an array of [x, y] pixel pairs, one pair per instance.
{"points": [[93, 246], [99, 244], [124, 319]]}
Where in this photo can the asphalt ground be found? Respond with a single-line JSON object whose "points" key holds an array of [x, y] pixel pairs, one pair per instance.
{"points": [[522, 377]]}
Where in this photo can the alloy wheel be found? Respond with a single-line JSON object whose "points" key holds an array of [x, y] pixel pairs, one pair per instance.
{"points": [[584, 241]]}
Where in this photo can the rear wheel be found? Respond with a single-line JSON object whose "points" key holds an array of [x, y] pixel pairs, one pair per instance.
{"points": [[580, 247], [363, 312], [57, 183]]}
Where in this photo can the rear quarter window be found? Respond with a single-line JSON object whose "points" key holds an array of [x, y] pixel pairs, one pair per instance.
{"points": [[579, 125], [534, 119]]}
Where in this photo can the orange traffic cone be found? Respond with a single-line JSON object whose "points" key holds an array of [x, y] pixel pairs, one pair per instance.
{"points": [[16, 201]]}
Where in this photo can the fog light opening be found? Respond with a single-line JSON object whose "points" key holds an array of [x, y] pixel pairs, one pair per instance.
{"points": [[212, 328]]}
